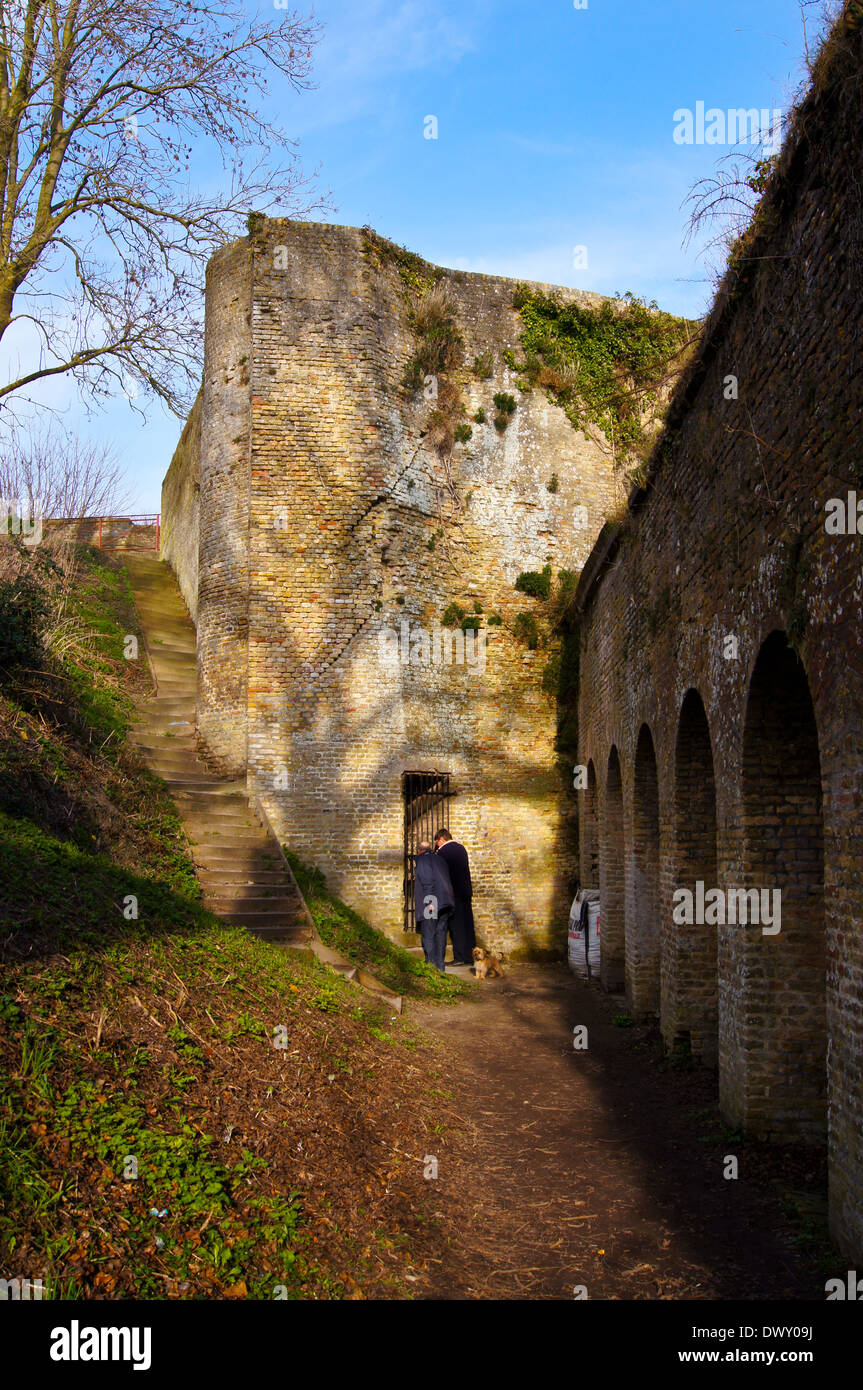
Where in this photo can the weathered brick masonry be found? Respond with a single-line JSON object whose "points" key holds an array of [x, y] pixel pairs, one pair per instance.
{"points": [[738, 762], [180, 509], [322, 504]]}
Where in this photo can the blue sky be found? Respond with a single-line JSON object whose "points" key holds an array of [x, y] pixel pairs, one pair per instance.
{"points": [[555, 130]]}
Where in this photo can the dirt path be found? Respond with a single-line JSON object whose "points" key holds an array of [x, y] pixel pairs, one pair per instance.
{"points": [[602, 1168]]}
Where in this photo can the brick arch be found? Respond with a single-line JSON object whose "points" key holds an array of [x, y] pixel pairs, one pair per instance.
{"points": [[784, 1032], [612, 882], [643, 916], [693, 961], [589, 866]]}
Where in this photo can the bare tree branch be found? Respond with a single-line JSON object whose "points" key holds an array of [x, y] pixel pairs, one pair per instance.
{"points": [[106, 109], [60, 475]]}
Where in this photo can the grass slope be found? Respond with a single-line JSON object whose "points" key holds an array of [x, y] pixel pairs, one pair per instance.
{"points": [[184, 1111], [345, 930]]}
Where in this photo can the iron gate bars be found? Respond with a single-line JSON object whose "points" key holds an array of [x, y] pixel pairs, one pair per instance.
{"points": [[424, 793]]}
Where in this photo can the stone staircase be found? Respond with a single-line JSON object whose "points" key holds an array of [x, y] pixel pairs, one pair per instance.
{"points": [[243, 874], [238, 861]]}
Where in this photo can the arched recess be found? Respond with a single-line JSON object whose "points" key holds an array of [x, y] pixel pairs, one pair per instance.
{"points": [[590, 834], [643, 934], [784, 1032], [693, 956], [612, 884]]}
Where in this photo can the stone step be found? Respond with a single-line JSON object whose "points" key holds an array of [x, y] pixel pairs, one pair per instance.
{"points": [[203, 783], [227, 840], [225, 830], [221, 879], [153, 745], [242, 856], [170, 689], [160, 721], [182, 768], [223, 811], [255, 897], [168, 735], [220, 806], [231, 912], [175, 640], [265, 921], [175, 748], [281, 935], [244, 862], [155, 724], [249, 915], [190, 782], [232, 840]]}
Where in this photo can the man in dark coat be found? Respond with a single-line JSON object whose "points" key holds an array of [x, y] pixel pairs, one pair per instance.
{"points": [[461, 922], [433, 903]]}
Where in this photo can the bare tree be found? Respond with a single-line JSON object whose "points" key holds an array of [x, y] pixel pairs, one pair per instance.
{"points": [[108, 108], [727, 199], [52, 474]]}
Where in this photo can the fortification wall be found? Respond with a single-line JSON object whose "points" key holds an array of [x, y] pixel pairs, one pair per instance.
{"points": [[716, 752], [223, 564], [180, 533], [352, 534], [328, 519]]}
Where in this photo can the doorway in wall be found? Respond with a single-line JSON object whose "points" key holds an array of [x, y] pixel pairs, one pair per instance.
{"points": [[425, 796]]}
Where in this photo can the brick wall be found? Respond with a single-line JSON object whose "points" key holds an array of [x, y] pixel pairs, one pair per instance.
{"points": [[223, 551], [686, 614], [321, 510], [180, 535]]}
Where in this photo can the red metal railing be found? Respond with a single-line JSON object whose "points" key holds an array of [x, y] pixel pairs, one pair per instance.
{"points": [[124, 540]]}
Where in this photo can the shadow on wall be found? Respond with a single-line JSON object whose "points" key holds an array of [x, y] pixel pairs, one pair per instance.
{"points": [[368, 806]]}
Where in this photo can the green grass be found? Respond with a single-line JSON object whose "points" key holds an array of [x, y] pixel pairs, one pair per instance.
{"points": [[97, 1104], [121, 1039], [225, 1227], [345, 930]]}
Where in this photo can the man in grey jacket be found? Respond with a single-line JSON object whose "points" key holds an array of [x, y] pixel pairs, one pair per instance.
{"points": [[433, 903]]}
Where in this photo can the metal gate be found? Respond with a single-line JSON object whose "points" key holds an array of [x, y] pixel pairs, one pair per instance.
{"points": [[129, 533], [425, 797]]}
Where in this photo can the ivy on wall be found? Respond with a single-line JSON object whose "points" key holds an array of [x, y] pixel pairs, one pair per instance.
{"points": [[604, 365]]}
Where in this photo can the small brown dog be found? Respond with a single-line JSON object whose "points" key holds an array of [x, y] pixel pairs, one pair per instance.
{"points": [[486, 966]]}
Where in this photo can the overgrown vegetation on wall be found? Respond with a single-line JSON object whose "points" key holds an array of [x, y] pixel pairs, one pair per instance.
{"points": [[551, 628], [606, 365], [744, 195], [416, 275]]}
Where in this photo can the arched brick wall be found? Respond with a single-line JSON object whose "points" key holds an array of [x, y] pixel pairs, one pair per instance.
{"points": [[643, 908], [590, 831], [785, 1029], [612, 878], [690, 1004], [723, 560]]}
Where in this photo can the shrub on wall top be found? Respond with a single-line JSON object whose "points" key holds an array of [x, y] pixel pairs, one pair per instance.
{"points": [[538, 585]]}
